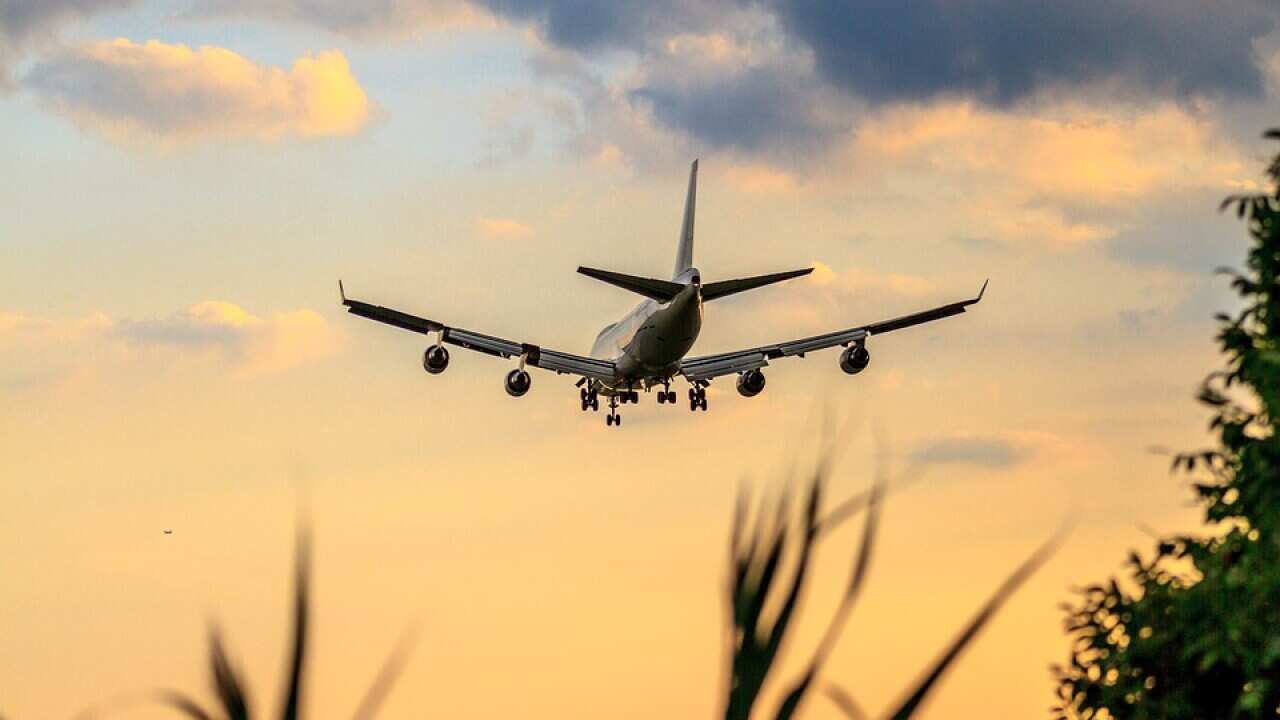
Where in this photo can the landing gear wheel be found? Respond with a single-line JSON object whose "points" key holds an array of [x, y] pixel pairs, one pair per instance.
{"points": [[595, 403], [662, 398], [608, 420], [671, 396], [703, 404]]}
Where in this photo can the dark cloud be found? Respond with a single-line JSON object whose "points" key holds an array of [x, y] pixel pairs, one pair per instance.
{"points": [[989, 452], [1002, 51], [24, 23], [748, 111]]}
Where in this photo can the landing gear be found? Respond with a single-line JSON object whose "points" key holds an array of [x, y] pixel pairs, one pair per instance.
{"points": [[590, 400], [666, 395], [697, 398], [613, 418]]}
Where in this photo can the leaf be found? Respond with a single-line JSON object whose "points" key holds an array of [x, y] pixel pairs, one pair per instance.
{"points": [[913, 700], [184, 704], [834, 628], [298, 658], [226, 684], [386, 679], [846, 703]]}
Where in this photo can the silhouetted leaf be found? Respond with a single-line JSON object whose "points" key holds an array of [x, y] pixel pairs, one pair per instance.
{"points": [[226, 684], [916, 697]]}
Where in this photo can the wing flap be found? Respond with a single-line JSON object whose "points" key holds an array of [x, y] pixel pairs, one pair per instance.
{"points": [[483, 343], [574, 364], [726, 364], [818, 342]]}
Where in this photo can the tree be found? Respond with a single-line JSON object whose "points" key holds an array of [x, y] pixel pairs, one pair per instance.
{"points": [[1196, 632]]}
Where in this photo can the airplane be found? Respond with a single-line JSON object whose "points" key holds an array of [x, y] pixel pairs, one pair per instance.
{"points": [[647, 348]]}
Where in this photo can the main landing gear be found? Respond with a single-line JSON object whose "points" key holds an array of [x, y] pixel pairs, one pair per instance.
{"points": [[698, 398], [613, 418], [666, 395], [590, 400]]}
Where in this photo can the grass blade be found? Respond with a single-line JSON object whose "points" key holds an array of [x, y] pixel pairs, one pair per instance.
{"points": [[386, 678], [226, 684], [298, 658], [846, 703], [1010, 585], [184, 704]]}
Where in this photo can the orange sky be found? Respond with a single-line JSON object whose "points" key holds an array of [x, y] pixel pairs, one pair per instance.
{"points": [[173, 355]]}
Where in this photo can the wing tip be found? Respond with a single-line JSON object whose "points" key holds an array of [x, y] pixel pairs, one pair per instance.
{"points": [[342, 293], [982, 291]]}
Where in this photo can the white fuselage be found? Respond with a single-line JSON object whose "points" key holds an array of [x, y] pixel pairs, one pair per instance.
{"points": [[649, 342]]}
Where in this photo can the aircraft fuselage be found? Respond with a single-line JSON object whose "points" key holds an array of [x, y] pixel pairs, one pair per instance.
{"points": [[650, 341]]}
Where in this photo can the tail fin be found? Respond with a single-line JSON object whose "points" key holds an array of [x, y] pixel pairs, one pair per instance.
{"points": [[684, 251], [724, 288]]}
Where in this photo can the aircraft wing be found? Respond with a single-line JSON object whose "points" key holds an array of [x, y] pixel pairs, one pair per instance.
{"points": [[710, 366], [534, 355]]}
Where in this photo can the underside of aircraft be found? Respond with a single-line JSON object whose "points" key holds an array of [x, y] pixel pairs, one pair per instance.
{"points": [[647, 349]]}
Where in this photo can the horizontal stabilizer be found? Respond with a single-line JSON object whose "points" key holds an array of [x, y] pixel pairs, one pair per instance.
{"points": [[661, 290], [724, 288]]}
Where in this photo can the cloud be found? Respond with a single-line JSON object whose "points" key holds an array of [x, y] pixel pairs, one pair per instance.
{"points": [[252, 344], [154, 90], [740, 87], [28, 23], [1004, 51], [502, 229], [983, 451], [213, 328], [1064, 178], [366, 18]]}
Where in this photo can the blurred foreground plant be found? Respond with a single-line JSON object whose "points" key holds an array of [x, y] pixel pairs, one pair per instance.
{"points": [[755, 559], [1198, 634], [231, 691]]}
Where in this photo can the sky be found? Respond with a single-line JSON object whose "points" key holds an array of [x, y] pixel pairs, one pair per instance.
{"points": [[186, 180]]}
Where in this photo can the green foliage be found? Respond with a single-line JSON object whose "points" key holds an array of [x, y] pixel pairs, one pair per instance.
{"points": [[757, 640], [1198, 635]]}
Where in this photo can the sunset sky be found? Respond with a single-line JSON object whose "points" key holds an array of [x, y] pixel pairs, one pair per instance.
{"points": [[182, 184]]}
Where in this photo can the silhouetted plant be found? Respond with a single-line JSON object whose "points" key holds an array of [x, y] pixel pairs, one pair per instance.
{"points": [[1198, 635], [755, 560], [231, 691]]}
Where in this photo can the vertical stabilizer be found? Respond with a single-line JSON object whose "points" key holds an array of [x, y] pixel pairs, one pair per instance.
{"points": [[684, 251]]}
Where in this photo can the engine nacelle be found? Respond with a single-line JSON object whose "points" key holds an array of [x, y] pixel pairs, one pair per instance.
{"points": [[750, 383], [435, 359], [855, 359], [518, 383]]}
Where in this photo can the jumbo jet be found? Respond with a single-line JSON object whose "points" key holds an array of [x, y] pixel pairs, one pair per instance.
{"points": [[647, 348]]}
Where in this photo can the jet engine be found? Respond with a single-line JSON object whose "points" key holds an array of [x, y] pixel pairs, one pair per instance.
{"points": [[517, 383], [855, 359], [750, 383], [435, 359]]}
